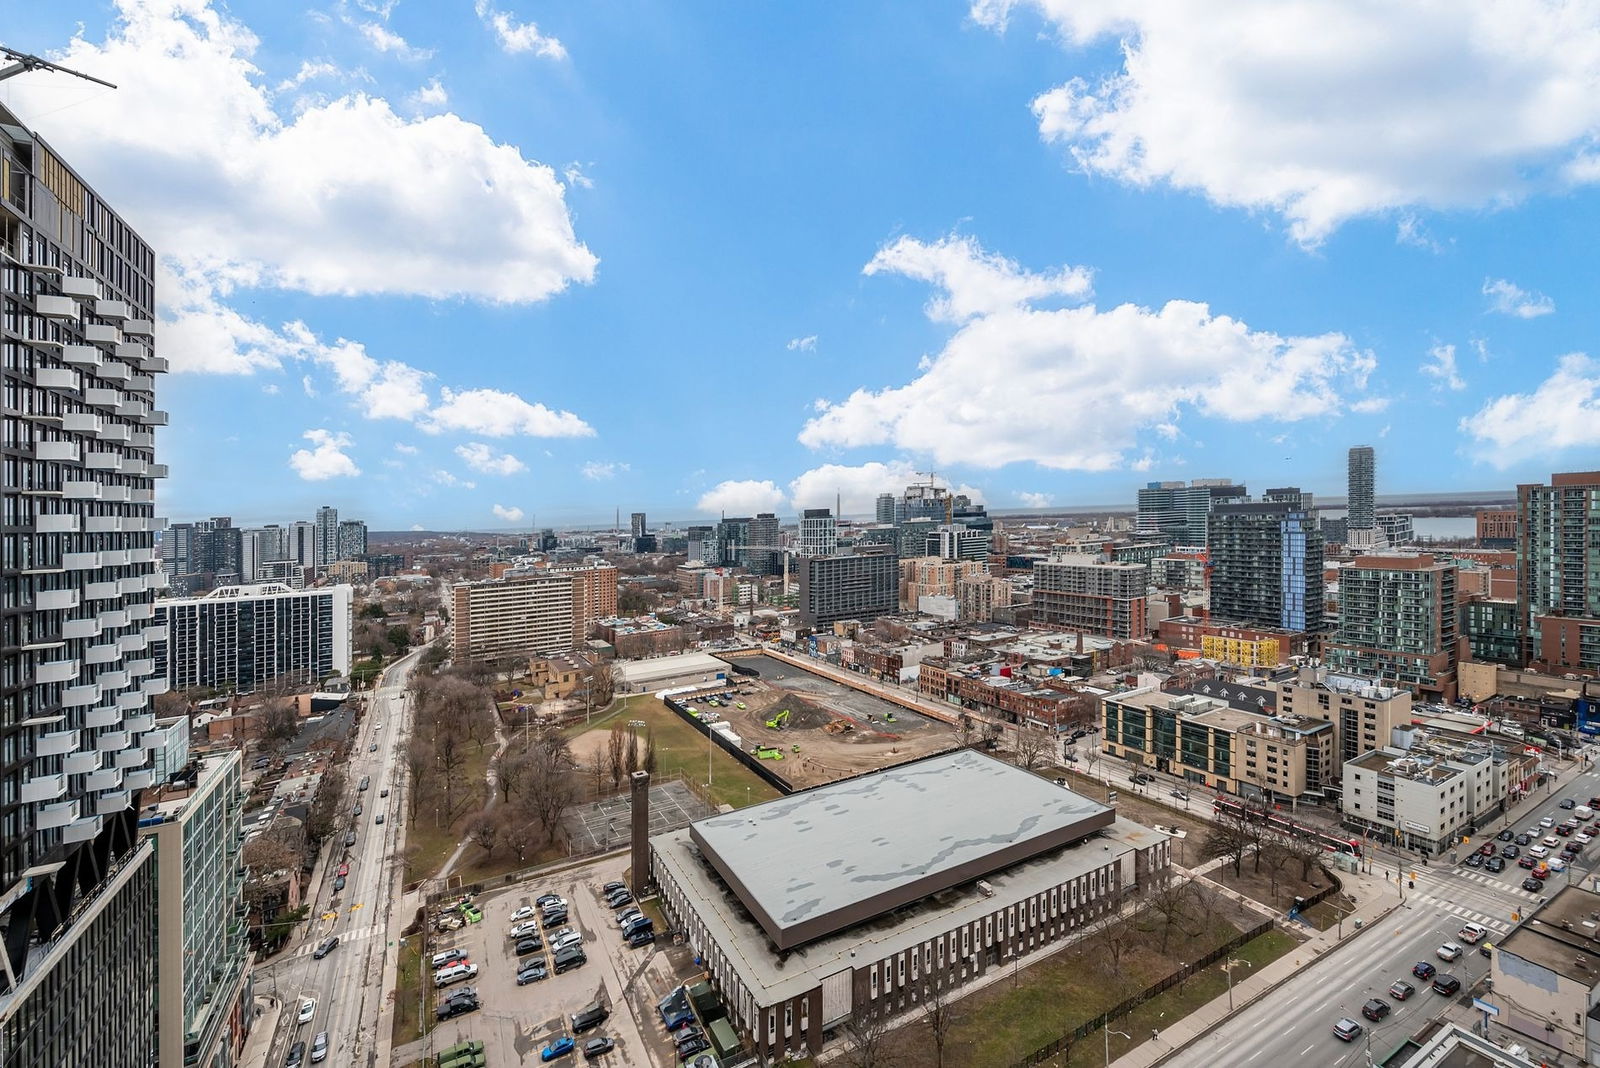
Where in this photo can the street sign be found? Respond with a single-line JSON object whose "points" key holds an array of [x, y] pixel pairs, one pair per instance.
{"points": [[1484, 1007]]}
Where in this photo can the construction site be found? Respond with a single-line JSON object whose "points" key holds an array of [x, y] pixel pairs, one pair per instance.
{"points": [[811, 730]]}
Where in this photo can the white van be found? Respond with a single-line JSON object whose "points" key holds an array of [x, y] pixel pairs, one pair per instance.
{"points": [[1583, 812], [454, 974]]}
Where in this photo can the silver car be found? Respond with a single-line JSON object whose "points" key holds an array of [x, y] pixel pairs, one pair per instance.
{"points": [[564, 938]]}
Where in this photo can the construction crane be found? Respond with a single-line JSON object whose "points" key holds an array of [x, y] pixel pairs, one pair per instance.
{"points": [[25, 63], [949, 498]]}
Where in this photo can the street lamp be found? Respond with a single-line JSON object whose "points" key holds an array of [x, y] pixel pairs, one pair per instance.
{"points": [[1108, 1033], [1227, 969]]}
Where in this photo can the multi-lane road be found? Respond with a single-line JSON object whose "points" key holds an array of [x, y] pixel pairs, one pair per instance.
{"points": [[347, 984], [1294, 1024]]}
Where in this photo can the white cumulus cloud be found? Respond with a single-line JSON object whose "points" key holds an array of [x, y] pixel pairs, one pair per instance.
{"points": [[1326, 110], [515, 36], [741, 497], [497, 414], [340, 196], [1035, 500], [1508, 298], [326, 458], [481, 457], [510, 515], [802, 344], [600, 471], [1074, 388], [1562, 412], [972, 281]]}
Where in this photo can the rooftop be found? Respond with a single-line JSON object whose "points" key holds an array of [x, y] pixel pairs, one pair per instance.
{"points": [[772, 976], [879, 841], [1399, 764], [1563, 936]]}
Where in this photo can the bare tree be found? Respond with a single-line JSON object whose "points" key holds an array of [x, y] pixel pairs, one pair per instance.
{"points": [[450, 757], [993, 730], [420, 762], [1229, 837], [276, 724], [649, 763], [549, 794], [869, 1042], [511, 772], [1174, 908], [631, 760], [485, 830], [1308, 853], [1115, 937], [940, 1017], [615, 765], [966, 730], [1277, 853], [1031, 748], [602, 686], [518, 832]]}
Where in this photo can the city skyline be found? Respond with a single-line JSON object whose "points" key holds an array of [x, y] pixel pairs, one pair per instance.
{"points": [[1019, 283]]}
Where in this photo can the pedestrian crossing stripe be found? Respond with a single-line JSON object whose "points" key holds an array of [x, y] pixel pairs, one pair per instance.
{"points": [[1465, 913]]}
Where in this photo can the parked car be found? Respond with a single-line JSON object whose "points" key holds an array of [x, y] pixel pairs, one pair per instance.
{"points": [[1538, 851], [384, 792], [1495, 864], [693, 1044], [1530, 861], [1506, 835], [1448, 951], [559, 1047], [1472, 933], [522, 913], [529, 945], [1446, 984], [526, 927], [457, 1007], [1524, 838], [1400, 990], [564, 938], [373, 748], [447, 957], [1347, 1030], [611, 887], [297, 1055], [546, 901], [1375, 1009], [379, 820], [1511, 852], [1423, 970], [641, 938], [1487, 849], [1567, 802], [532, 972], [344, 869], [339, 884], [1474, 861], [555, 919], [590, 1018], [628, 915], [597, 1047], [326, 946]]}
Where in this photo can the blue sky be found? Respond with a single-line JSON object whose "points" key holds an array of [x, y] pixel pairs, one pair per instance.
{"points": [[461, 264]]}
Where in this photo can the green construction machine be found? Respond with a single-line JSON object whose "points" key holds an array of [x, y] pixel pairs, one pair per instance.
{"points": [[780, 721], [768, 752]]}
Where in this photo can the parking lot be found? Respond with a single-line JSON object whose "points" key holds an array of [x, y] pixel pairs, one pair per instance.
{"points": [[515, 1022], [603, 824]]}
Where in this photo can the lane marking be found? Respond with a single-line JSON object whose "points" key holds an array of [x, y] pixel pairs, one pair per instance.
{"points": [[1308, 1049]]}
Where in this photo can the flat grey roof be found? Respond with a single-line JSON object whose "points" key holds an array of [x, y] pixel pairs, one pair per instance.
{"points": [[816, 862]]}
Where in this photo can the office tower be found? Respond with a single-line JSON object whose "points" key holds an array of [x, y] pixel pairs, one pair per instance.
{"points": [[819, 533], [300, 544], [847, 587], [1398, 623], [177, 551], [1558, 570], [352, 539], [1360, 500], [1180, 511], [1086, 594], [702, 543], [196, 826], [77, 888], [243, 637], [638, 525], [1266, 562], [954, 541], [765, 555], [251, 554], [884, 511], [326, 546], [217, 550], [733, 539]]}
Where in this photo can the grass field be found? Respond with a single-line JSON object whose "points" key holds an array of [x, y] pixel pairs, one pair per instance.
{"points": [[681, 748], [1014, 1017], [409, 1016], [428, 842]]}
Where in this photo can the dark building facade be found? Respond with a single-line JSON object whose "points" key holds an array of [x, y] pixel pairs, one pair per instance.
{"points": [[1266, 562], [862, 586], [1558, 570]]}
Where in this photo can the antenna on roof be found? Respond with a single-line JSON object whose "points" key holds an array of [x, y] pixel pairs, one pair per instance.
{"points": [[26, 63]]}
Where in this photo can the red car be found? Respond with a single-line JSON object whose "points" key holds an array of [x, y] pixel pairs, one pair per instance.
{"points": [[1487, 849], [1527, 862], [1540, 873], [344, 869]]}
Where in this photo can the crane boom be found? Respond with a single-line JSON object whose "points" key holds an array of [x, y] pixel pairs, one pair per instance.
{"points": [[25, 62]]}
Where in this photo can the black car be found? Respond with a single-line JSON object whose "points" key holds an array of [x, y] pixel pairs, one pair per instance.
{"points": [[613, 887], [545, 899], [1511, 852], [532, 972], [528, 945], [338, 884], [1494, 864], [297, 1055], [1567, 802], [619, 899], [325, 947], [596, 1047], [1474, 861], [1572, 849], [1446, 985], [1142, 779], [1532, 886], [1524, 839], [555, 919], [1375, 1009], [457, 1007], [1423, 970], [641, 938], [695, 1043], [589, 1018], [1506, 835]]}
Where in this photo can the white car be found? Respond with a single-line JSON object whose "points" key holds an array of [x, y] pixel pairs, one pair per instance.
{"points": [[308, 1009], [564, 938], [1583, 839], [628, 915], [1449, 951], [527, 927], [525, 912], [1556, 864], [1552, 841], [1548, 821], [1538, 851]]}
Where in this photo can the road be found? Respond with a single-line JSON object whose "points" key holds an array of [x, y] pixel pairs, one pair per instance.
{"points": [[347, 984], [1295, 1023]]}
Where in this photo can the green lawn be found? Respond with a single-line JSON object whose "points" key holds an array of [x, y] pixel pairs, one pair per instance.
{"points": [[409, 1017], [1027, 1010], [681, 748], [428, 842]]}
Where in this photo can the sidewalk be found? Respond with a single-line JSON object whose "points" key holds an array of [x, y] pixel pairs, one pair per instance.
{"points": [[259, 1044]]}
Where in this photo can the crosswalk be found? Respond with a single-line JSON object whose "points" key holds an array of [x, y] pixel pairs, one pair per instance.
{"points": [[354, 934], [1499, 924]]}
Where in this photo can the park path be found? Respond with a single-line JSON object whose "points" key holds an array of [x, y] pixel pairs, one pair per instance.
{"points": [[492, 776]]}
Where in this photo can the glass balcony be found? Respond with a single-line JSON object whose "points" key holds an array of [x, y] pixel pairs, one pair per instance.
{"points": [[58, 814], [81, 830], [44, 787]]}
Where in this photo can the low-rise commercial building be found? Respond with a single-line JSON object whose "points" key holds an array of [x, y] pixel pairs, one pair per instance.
{"points": [[640, 636], [893, 884], [1423, 793], [1546, 976]]}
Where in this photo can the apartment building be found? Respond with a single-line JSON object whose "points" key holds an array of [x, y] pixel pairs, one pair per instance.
{"points": [[854, 586], [352, 540], [1363, 712], [532, 613], [203, 957], [1398, 623], [1266, 562], [240, 638], [594, 596], [1179, 512], [1361, 489], [1427, 790], [819, 533], [978, 597], [1491, 631], [1211, 743], [1093, 596], [932, 576], [1496, 528], [1179, 570], [1558, 571], [77, 886], [326, 536]]}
